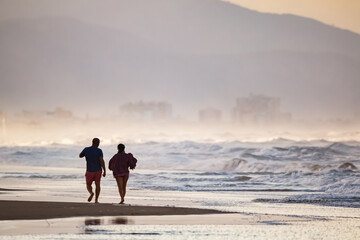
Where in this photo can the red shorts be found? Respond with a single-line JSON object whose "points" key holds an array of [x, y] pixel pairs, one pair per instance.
{"points": [[93, 176]]}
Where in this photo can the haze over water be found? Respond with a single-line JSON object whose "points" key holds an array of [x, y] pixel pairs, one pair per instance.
{"points": [[224, 107], [68, 69]]}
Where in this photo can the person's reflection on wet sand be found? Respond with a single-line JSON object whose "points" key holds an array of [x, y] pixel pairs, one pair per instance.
{"points": [[95, 221], [119, 221], [98, 221], [91, 222]]}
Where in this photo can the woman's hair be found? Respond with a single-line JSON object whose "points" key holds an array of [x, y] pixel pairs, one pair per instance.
{"points": [[121, 147]]}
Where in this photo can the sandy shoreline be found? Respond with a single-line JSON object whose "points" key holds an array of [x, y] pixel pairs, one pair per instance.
{"points": [[58, 209], [27, 210]]}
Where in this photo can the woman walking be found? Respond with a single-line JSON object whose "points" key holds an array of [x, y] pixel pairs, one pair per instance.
{"points": [[120, 164]]}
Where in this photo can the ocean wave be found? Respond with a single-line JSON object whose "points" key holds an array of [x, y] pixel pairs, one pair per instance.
{"points": [[242, 178], [205, 157], [21, 153], [352, 201], [40, 176], [280, 165]]}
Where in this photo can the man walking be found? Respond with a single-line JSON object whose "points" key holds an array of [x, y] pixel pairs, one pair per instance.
{"points": [[94, 163]]}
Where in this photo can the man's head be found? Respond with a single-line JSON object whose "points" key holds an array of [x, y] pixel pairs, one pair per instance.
{"points": [[95, 142], [121, 147]]}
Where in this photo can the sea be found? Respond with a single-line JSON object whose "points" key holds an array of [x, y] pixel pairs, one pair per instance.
{"points": [[219, 175]]}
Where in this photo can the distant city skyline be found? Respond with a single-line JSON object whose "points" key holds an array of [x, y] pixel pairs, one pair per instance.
{"points": [[339, 13], [91, 56]]}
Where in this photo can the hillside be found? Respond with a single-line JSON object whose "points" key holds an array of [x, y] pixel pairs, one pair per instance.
{"points": [[195, 53]]}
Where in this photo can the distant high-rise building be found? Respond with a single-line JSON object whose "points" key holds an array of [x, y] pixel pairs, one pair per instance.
{"points": [[259, 109], [146, 111], [210, 115], [44, 116], [61, 113]]}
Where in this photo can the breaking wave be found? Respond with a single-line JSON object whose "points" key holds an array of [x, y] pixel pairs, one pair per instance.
{"points": [[321, 172]]}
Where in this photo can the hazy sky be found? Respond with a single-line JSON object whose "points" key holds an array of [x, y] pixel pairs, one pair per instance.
{"points": [[59, 52], [341, 13]]}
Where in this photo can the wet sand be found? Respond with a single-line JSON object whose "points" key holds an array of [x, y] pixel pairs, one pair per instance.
{"points": [[67, 212], [26, 210]]}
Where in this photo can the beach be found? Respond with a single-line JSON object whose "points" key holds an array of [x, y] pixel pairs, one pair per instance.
{"points": [[182, 119], [44, 198], [64, 220], [23, 219], [163, 215]]}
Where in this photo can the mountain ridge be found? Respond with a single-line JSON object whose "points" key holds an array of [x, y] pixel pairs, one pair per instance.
{"points": [[313, 72]]}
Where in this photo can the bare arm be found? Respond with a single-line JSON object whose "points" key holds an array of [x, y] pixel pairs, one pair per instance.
{"points": [[102, 163], [82, 154]]}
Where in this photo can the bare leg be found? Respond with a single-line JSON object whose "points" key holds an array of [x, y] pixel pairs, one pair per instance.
{"points": [[97, 191], [89, 188], [119, 181], [126, 178]]}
